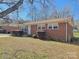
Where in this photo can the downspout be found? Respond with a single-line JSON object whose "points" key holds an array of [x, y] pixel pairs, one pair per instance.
{"points": [[66, 33]]}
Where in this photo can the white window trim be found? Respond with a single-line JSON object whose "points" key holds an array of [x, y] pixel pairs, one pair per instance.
{"points": [[41, 26], [53, 24]]}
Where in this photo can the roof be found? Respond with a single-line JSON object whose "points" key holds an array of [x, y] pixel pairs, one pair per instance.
{"points": [[47, 21], [11, 28]]}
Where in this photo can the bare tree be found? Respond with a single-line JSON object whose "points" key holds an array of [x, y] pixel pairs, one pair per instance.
{"points": [[63, 13], [46, 7], [42, 11], [11, 9], [1, 0]]}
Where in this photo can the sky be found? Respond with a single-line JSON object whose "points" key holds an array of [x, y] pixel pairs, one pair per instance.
{"points": [[74, 6], [60, 4]]}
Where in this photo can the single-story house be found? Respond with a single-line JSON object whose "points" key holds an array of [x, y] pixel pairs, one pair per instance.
{"points": [[57, 29], [9, 29], [4, 28]]}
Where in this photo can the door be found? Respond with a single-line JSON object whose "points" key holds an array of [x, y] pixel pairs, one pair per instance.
{"points": [[29, 30]]}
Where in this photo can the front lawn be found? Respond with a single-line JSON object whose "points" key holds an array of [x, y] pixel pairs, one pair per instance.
{"points": [[29, 48], [76, 34]]}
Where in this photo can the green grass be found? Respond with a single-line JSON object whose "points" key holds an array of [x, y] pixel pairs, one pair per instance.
{"points": [[76, 34], [29, 48]]}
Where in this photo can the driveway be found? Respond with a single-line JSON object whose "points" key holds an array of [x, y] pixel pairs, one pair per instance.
{"points": [[4, 35]]}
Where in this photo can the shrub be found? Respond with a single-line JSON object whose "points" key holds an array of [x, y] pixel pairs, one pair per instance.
{"points": [[17, 33], [34, 35]]}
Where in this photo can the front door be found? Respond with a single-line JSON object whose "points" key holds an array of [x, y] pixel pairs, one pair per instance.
{"points": [[29, 30]]}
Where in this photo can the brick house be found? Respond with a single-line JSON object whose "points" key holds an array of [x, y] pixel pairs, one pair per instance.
{"points": [[9, 29], [5, 28], [57, 29]]}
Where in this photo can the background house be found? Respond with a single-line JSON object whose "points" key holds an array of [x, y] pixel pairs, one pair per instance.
{"points": [[76, 26]]}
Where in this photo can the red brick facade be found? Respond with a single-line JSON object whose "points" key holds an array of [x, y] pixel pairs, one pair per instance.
{"points": [[59, 34], [33, 29]]}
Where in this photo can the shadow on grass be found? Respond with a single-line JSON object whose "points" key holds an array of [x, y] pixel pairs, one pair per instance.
{"points": [[74, 41]]}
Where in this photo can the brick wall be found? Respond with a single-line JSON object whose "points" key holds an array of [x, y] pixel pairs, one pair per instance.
{"points": [[59, 34], [34, 29]]}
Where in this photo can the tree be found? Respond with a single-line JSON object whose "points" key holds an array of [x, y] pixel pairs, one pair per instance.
{"points": [[46, 8], [42, 11], [11, 9], [1, 0], [63, 13]]}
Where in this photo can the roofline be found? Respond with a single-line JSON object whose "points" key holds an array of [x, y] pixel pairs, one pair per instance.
{"points": [[61, 20]]}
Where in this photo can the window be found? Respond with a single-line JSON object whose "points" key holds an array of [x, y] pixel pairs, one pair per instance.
{"points": [[41, 27], [0, 27], [24, 28], [53, 26], [50, 27]]}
